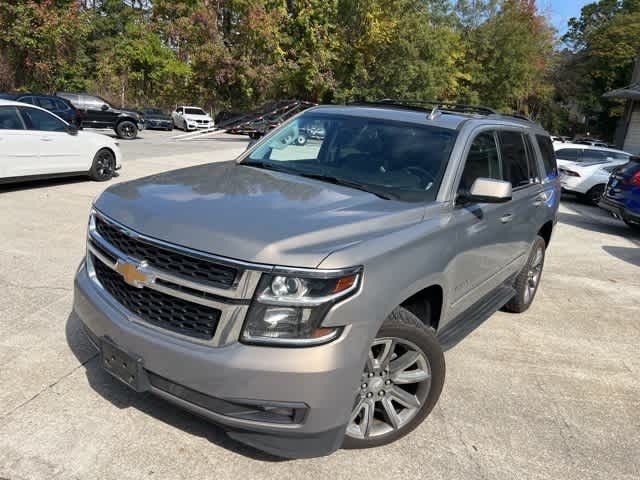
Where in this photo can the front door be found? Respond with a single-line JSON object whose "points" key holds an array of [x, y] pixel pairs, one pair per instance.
{"points": [[58, 150], [18, 150], [483, 230]]}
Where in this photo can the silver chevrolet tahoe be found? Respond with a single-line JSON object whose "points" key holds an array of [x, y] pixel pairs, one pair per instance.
{"points": [[302, 296]]}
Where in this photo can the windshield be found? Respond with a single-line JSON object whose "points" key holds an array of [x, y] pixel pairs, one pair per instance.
{"points": [[395, 160], [153, 111], [194, 111]]}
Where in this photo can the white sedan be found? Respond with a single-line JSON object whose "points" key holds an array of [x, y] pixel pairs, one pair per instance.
{"points": [[191, 118], [35, 143], [585, 169]]}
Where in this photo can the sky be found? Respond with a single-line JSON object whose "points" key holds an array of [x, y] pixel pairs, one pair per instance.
{"points": [[560, 11]]}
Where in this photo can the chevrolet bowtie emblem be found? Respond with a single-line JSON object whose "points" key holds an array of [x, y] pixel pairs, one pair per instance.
{"points": [[132, 274]]}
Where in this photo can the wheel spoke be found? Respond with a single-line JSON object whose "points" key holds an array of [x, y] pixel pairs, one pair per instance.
{"points": [[366, 421], [403, 362], [382, 360], [390, 412], [404, 397], [412, 376]]}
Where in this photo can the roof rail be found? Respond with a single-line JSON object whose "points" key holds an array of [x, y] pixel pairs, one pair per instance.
{"points": [[440, 105]]}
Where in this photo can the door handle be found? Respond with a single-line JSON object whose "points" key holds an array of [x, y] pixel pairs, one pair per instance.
{"points": [[45, 139], [506, 218], [540, 199]]}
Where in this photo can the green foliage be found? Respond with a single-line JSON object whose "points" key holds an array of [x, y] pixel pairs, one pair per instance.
{"points": [[234, 54], [603, 45]]}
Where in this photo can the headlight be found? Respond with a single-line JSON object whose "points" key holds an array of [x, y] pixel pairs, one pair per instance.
{"points": [[288, 310]]}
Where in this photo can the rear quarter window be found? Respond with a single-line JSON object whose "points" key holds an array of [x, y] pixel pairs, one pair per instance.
{"points": [[548, 154]]}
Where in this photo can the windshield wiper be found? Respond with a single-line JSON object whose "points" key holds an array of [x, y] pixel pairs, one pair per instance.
{"points": [[348, 183], [266, 166]]}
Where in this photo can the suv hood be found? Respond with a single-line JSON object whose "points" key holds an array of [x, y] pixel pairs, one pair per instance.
{"points": [[253, 215]]}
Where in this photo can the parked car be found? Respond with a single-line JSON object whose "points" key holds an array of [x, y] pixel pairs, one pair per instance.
{"points": [[191, 118], [302, 296], [570, 153], [98, 113], [622, 194], [587, 180], [8, 96], [58, 105], [38, 144], [157, 118]]}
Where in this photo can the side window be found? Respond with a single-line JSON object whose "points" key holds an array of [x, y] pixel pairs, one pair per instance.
{"points": [[594, 155], [61, 106], [534, 172], [40, 120], [47, 103], [27, 100], [570, 154], [514, 158], [548, 155], [9, 119], [482, 161]]}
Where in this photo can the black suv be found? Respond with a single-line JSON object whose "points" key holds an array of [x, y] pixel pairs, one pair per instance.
{"points": [[98, 113]]}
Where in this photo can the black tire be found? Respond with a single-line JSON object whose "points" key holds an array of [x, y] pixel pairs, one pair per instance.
{"points": [[403, 325], [525, 292], [635, 226], [170, 128], [254, 135], [594, 194], [127, 130], [301, 140], [103, 167]]}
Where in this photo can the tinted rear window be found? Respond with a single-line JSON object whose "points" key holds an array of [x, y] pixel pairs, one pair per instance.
{"points": [[571, 154], [548, 154]]}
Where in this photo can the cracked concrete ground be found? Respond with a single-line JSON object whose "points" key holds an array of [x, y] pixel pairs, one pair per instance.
{"points": [[550, 394]]}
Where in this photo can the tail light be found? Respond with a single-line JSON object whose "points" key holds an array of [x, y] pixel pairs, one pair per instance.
{"points": [[635, 180]]}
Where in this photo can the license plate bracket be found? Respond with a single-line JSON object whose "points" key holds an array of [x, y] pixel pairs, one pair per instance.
{"points": [[122, 365]]}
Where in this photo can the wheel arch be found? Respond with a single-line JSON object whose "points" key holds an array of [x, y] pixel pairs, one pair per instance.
{"points": [[545, 232], [426, 304]]}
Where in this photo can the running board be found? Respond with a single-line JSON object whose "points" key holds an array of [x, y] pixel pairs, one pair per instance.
{"points": [[473, 317]]}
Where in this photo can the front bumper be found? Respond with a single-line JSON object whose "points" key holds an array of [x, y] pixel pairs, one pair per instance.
{"points": [[619, 209], [321, 381], [162, 124]]}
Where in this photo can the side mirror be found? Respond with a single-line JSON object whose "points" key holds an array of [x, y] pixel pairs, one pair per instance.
{"points": [[104, 107], [71, 129], [487, 190]]}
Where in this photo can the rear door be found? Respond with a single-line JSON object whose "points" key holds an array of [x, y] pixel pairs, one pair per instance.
{"points": [[521, 169], [59, 151], [18, 150]]}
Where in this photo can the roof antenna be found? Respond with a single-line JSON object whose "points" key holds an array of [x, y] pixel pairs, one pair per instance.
{"points": [[435, 113]]}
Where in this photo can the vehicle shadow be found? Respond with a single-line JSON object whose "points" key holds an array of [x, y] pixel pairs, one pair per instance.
{"points": [[42, 183], [627, 254], [595, 219], [122, 397]]}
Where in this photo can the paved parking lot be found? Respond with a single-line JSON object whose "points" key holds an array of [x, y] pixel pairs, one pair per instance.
{"points": [[550, 394]]}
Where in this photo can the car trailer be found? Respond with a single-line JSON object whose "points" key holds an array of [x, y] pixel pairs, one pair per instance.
{"points": [[257, 123]]}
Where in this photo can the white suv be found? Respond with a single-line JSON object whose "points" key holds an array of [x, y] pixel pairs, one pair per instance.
{"points": [[585, 169], [191, 118]]}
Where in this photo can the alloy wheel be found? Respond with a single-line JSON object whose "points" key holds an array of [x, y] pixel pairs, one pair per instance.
{"points": [[105, 165], [394, 386], [533, 275]]}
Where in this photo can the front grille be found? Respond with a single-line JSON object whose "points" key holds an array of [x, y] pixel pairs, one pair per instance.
{"points": [[176, 263], [156, 308]]}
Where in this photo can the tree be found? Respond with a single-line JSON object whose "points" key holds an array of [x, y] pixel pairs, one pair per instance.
{"points": [[42, 43]]}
